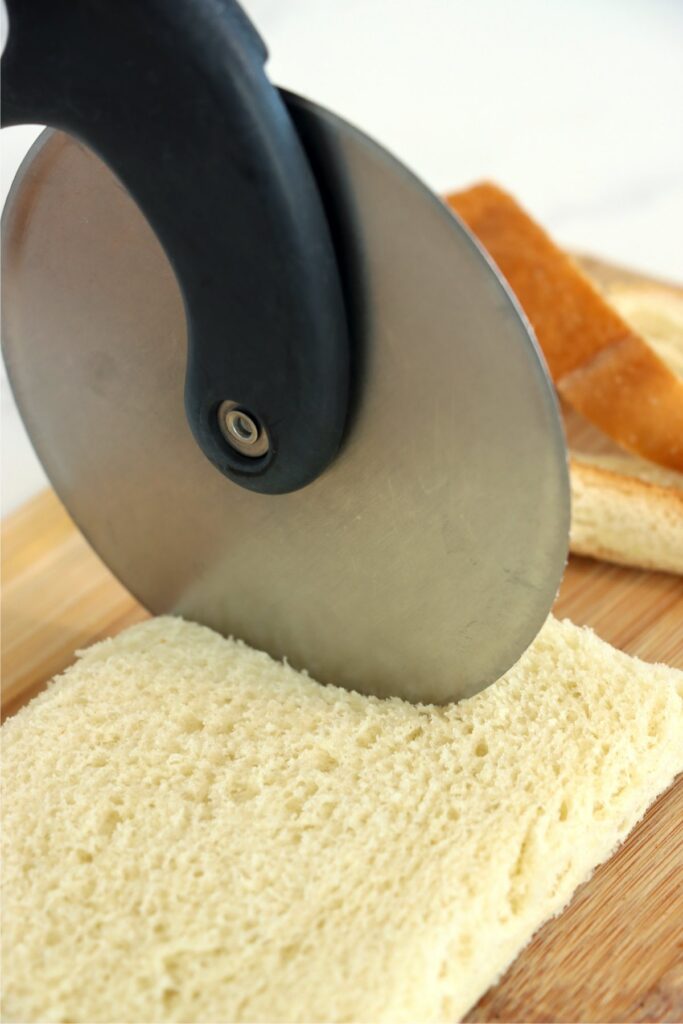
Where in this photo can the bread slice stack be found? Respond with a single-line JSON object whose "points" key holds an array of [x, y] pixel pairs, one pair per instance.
{"points": [[613, 342]]}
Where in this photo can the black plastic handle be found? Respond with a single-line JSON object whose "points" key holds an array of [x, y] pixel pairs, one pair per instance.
{"points": [[173, 96]]}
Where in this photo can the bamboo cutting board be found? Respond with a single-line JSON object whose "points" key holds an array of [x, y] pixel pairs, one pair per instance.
{"points": [[616, 954]]}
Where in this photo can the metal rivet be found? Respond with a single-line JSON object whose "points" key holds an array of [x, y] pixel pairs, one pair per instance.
{"points": [[242, 430]]}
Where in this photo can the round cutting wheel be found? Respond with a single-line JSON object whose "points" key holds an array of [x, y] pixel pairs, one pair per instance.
{"points": [[425, 559]]}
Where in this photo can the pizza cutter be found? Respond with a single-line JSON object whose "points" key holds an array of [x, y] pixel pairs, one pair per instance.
{"points": [[277, 384]]}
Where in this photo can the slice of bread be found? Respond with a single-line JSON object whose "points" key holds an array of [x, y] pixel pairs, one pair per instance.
{"points": [[626, 509], [602, 366], [194, 832]]}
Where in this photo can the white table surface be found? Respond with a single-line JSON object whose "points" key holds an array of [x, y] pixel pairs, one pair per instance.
{"points": [[576, 106]]}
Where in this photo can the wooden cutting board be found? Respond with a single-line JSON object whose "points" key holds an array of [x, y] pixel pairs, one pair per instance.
{"points": [[616, 954]]}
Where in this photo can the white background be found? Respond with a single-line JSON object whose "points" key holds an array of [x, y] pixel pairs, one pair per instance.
{"points": [[576, 106]]}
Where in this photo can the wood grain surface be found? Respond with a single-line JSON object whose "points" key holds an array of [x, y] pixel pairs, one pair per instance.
{"points": [[616, 954]]}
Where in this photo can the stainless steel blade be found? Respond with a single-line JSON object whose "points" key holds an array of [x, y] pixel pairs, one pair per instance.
{"points": [[424, 561]]}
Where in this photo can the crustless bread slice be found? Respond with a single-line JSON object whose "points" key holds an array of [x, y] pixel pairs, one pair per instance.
{"points": [[194, 832]]}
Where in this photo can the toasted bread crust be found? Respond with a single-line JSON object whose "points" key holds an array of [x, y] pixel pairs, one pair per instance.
{"points": [[598, 362], [628, 392]]}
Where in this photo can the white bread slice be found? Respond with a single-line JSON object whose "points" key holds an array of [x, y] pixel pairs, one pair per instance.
{"points": [[194, 832], [626, 509]]}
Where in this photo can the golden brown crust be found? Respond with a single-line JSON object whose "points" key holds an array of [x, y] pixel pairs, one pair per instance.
{"points": [[630, 394], [598, 362]]}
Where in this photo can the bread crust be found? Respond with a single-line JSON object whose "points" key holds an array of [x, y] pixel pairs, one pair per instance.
{"points": [[600, 364], [622, 517]]}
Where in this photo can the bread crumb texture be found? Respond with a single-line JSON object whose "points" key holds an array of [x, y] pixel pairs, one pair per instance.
{"points": [[194, 832]]}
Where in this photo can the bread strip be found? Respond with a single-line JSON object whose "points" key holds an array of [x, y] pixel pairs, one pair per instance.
{"points": [[623, 517], [653, 311], [599, 364], [194, 832]]}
